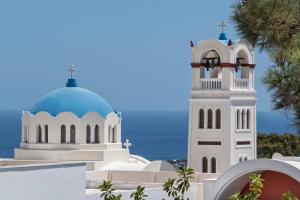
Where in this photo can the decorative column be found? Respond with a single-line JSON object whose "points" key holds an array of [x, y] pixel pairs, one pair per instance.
{"points": [[196, 78], [251, 79]]}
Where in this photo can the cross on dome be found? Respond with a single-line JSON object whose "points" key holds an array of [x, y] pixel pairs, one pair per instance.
{"points": [[127, 144], [72, 70], [222, 25]]}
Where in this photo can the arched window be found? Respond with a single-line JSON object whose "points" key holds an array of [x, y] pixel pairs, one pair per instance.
{"points": [[96, 136], [26, 134], [238, 119], [246, 158], [243, 119], [114, 134], [201, 118], [213, 165], [218, 119], [248, 118], [72, 134], [209, 118], [88, 134], [46, 133], [63, 136], [240, 159], [39, 134], [204, 165]]}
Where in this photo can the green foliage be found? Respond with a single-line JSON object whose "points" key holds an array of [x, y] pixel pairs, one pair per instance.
{"points": [[139, 193], [274, 26], [177, 188], [256, 186], [286, 144], [106, 189], [288, 196]]}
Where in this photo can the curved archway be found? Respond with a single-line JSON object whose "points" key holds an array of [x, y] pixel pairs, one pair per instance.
{"points": [[209, 45], [236, 178]]}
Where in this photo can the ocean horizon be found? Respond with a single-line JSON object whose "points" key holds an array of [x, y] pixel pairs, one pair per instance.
{"points": [[155, 135]]}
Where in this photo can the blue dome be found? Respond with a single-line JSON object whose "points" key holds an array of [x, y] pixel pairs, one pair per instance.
{"points": [[73, 99]]}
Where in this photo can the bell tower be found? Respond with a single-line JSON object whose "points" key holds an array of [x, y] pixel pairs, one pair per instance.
{"points": [[222, 111]]}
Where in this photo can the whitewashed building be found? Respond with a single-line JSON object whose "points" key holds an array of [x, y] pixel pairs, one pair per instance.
{"points": [[222, 116], [75, 124]]}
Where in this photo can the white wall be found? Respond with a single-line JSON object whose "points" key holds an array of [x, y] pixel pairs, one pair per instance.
{"points": [[46, 181], [66, 118]]}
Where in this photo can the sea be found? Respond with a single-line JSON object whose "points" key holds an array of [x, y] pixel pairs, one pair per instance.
{"points": [[155, 135]]}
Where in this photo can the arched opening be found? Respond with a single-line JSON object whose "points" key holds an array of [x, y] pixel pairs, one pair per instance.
{"points": [[39, 134], [88, 134], [278, 176], [63, 135], [218, 119], [201, 118], [242, 72], [243, 119], [114, 134], [72, 134], [248, 118], [237, 119], [204, 165], [26, 135], [211, 60], [96, 136], [275, 184], [213, 165], [46, 133], [209, 119], [246, 158], [240, 159]]}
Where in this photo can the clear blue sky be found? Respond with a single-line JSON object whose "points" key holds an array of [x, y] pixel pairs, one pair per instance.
{"points": [[134, 53]]}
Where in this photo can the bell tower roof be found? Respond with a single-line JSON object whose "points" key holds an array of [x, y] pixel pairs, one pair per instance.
{"points": [[222, 35]]}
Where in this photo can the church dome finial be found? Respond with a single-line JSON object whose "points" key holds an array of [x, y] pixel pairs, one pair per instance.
{"points": [[222, 34], [71, 81]]}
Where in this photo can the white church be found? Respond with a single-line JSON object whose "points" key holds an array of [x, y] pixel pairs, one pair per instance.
{"points": [[71, 139], [75, 124]]}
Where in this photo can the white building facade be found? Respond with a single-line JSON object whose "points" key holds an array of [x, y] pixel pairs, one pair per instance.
{"points": [[71, 124], [222, 113]]}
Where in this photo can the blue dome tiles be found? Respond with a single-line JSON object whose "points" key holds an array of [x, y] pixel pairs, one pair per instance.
{"points": [[76, 100]]}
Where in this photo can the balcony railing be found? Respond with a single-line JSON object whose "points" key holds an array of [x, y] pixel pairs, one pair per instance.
{"points": [[211, 84], [241, 83]]}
